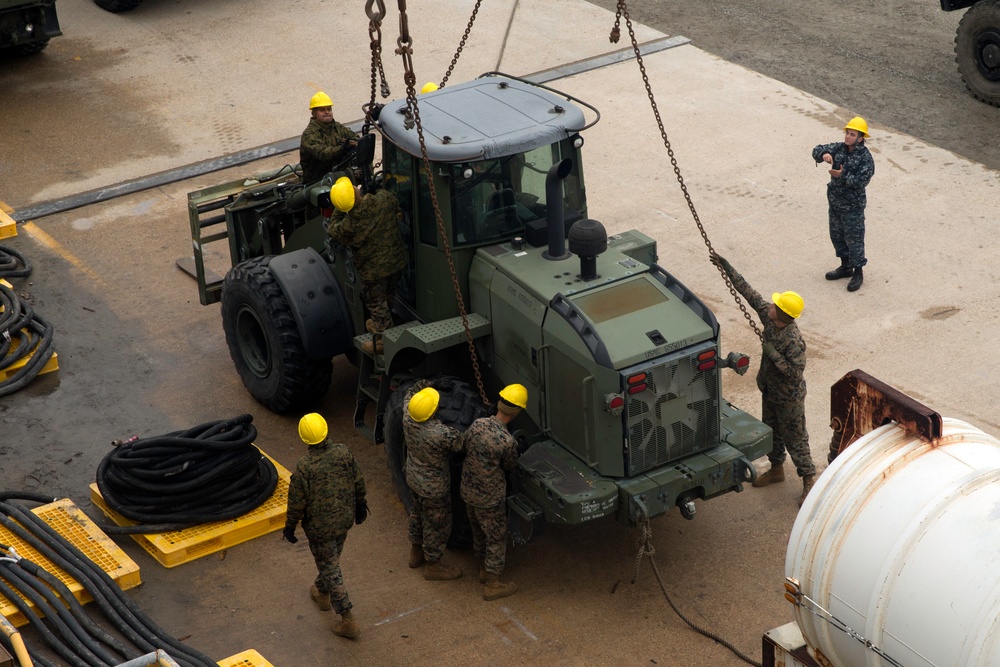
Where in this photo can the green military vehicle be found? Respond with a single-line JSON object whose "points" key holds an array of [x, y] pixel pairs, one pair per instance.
{"points": [[27, 27], [621, 360], [977, 46]]}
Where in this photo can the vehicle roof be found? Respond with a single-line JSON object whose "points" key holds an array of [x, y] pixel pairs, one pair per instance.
{"points": [[486, 118]]}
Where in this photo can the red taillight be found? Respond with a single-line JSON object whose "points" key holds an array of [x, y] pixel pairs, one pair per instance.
{"points": [[616, 403], [326, 212], [742, 361], [708, 354], [639, 377], [636, 388], [706, 365]]}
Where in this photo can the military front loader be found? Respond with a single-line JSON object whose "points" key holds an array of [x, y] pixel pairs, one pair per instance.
{"points": [[26, 26], [621, 360]]}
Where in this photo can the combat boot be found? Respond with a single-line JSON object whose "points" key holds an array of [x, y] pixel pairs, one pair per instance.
{"points": [[842, 271], [859, 277], [416, 556], [773, 476], [373, 348], [494, 589], [807, 485], [371, 326], [346, 626], [438, 571], [322, 600]]}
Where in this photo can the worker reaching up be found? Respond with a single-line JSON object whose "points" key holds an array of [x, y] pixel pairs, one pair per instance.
{"points": [[781, 380]]}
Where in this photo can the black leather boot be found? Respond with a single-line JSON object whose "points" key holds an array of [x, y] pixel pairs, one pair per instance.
{"points": [[856, 280], [842, 271]]}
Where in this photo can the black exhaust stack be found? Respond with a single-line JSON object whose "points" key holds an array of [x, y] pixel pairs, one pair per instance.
{"points": [[554, 210], [588, 239]]}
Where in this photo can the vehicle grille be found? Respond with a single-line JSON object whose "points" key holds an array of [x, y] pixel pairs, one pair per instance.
{"points": [[675, 416]]}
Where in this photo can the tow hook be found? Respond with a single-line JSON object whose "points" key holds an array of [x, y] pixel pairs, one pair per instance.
{"points": [[686, 505]]}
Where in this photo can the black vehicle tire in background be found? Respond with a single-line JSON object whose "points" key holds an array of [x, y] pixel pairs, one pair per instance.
{"points": [[264, 340], [459, 406], [117, 6], [977, 50]]}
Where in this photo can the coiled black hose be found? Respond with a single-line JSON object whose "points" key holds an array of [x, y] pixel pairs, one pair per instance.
{"points": [[208, 473], [9, 260], [134, 625], [34, 336]]}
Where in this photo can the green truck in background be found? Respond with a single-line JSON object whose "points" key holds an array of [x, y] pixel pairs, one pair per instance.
{"points": [[27, 27]]}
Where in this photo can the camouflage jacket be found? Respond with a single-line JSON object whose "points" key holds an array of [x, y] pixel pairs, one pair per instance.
{"points": [[781, 375], [371, 229], [848, 191], [321, 148], [429, 446], [325, 489], [490, 450]]}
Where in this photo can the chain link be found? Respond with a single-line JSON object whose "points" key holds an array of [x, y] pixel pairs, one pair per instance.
{"points": [[405, 50], [461, 44], [615, 32]]}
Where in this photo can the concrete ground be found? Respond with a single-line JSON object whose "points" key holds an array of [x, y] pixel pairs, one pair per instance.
{"points": [[178, 81]]}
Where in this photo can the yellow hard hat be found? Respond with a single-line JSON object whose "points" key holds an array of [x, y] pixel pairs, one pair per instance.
{"points": [[312, 428], [858, 123], [424, 404], [790, 303], [342, 194], [320, 99], [515, 394], [429, 87]]}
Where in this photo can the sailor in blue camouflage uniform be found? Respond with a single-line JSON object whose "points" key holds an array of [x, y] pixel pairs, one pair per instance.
{"points": [[491, 451], [781, 380], [369, 224], [429, 446], [852, 168], [327, 494]]}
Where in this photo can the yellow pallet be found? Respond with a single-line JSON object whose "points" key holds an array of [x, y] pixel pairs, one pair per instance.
{"points": [[70, 522], [245, 659], [8, 227], [183, 546], [51, 365]]}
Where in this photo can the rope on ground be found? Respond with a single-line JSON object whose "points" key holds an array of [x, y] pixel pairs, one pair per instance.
{"points": [[644, 547], [211, 472]]}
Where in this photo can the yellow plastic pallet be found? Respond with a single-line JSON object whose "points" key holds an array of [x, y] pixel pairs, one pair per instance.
{"points": [[183, 546], [51, 365], [8, 227], [248, 658], [70, 522]]}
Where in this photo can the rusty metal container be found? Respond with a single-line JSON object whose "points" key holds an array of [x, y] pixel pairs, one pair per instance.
{"points": [[900, 542]]}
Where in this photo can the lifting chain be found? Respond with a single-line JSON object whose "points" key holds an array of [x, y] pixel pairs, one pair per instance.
{"points": [[405, 51], [375, 17], [461, 44], [615, 33]]}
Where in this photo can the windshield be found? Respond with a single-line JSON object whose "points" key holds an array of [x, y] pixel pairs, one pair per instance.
{"points": [[492, 200]]}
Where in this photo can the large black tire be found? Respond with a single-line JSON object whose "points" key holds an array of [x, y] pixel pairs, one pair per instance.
{"points": [[977, 50], [117, 6], [459, 406], [264, 341]]}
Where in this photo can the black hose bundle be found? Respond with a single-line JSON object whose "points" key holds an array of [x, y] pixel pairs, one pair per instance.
{"points": [[33, 335], [69, 631], [208, 473], [9, 261]]}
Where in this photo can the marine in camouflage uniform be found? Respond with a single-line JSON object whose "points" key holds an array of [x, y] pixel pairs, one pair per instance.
{"points": [[782, 384], [325, 493], [490, 451], [429, 446], [848, 199], [323, 146], [371, 229]]}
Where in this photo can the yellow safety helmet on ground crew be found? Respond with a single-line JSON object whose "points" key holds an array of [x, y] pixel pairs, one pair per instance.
{"points": [[858, 123], [342, 194], [312, 428], [790, 303], [320, 99], [515, 394], [424, 404], [429, 87]]}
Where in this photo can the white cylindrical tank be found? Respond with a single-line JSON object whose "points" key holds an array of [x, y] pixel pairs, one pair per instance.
{"points": [[900, 540]]}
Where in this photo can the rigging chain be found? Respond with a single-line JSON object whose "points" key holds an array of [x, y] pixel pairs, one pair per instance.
{"points": [[375, 17], [615, 32], [461, 44], [644, 547], [405, 51]]}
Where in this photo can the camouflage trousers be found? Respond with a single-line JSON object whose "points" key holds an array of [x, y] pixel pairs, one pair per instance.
{"points": [[330, 580], [787, 420], [489, 535], [378, 295], [430, 525], [847, 232]]}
